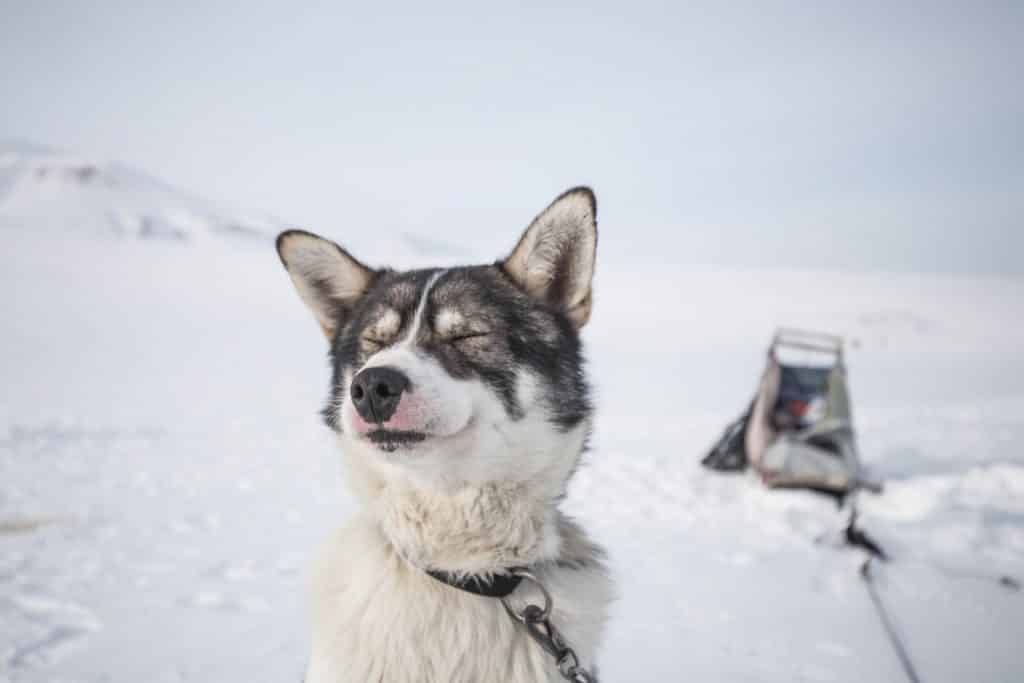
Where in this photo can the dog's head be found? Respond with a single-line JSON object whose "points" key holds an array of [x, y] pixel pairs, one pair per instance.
{"points": [[459, 375]]}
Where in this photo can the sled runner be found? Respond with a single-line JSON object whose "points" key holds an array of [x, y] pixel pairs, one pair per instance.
{"points": [[798, 431]]}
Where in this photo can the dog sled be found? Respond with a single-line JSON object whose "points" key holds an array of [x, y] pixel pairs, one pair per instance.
{"points": [[798, 431]]}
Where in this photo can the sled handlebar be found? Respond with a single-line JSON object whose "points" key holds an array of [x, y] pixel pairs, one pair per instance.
{"points": [[807, 340]]}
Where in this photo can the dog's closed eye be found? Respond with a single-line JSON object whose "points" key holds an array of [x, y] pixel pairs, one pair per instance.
{"points": [[376, 342], [451, 327], [465, 336]]}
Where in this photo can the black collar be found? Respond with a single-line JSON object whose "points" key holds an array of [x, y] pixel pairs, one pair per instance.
{"points": [[498, 586]]}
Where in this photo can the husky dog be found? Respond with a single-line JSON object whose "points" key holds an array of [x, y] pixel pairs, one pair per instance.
{"points": [[461, 407]]}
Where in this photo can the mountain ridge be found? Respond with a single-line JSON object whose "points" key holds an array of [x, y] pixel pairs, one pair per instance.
{"points": [[49, 188]]}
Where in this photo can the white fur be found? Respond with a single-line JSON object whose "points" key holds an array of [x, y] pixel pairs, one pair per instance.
{"points": [[448, 320], [386, 326], [480, 498], [378, 618], [417, 318]]}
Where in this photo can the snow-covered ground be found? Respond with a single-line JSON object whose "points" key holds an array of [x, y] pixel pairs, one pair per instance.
{"points": [[164, 474]]}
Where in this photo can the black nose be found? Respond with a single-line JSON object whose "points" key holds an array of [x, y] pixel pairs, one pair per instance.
{"points": [[377, 391]]}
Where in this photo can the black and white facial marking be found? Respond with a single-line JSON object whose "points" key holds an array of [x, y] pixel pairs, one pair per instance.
{"points": [[465, 358]]}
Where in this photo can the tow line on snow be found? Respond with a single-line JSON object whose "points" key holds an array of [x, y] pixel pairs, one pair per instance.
{"points": [[887, 623], [1004, 581], [858, 538]]}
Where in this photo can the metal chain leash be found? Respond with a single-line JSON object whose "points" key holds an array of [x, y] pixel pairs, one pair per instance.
{"points": [[538, 625]]}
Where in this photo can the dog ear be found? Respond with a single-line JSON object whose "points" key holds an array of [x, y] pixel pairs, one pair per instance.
{"points": [[329, 280], [554, 260]]}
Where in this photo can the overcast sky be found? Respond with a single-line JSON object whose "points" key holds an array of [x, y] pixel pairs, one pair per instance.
{"points": [[859, 135]]}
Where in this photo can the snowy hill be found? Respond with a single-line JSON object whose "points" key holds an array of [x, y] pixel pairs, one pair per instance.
{"points": [[44, 189]]}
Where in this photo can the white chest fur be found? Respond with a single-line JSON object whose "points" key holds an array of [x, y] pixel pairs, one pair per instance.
{"points": [[378, 619]]}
